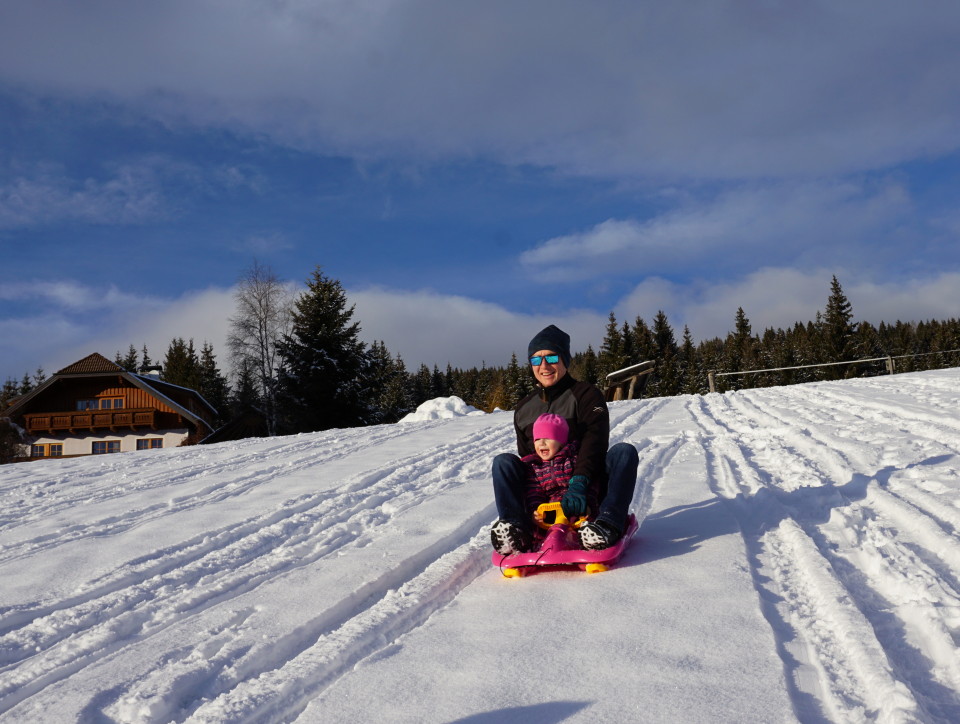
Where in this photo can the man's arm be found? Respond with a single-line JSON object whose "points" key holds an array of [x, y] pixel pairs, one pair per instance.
{"points": [[595, 423]]}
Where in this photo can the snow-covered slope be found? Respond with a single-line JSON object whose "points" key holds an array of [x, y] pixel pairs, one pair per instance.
{"points": [[798, 560]]}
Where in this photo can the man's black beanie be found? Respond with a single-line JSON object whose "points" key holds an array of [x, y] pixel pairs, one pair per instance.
{"points": [[553, 339]]}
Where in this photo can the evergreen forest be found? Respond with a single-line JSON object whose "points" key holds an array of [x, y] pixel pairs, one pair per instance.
{"points": [[300, 360]]}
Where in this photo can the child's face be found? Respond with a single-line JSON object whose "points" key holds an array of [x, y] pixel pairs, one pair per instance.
{"points": [[546, 448]]}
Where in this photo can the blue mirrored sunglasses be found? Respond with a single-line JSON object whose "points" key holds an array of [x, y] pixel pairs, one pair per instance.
{"points": [[550, 358]]}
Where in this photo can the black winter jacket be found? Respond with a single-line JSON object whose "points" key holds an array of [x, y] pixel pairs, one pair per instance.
{"points": [[583, 407]]}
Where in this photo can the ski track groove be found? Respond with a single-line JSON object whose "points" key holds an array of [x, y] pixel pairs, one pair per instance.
{"points": [[870, 411], [393, 606], [43, 643], [815, 632], [884, 553], [260, 474], [854, 555], [277, 681]]}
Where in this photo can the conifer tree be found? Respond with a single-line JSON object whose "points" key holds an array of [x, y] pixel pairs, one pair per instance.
{"points": [[868, 346], [213, 386], [388, 385], [438, 385], [397, 399], [483, 388], [449, 380], [515, 382], [324, 366], [838, 328], [465, 386], [9, 392], [667, 376], [644, 347], [498, 398], [741, 346], [585, 366], [130, 361], [245, 392], [611, 356], [181, 366], [690, 378], [12, 446], [628, 347], [422, 385]]}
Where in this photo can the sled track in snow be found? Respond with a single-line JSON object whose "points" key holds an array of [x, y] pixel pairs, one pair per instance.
{"points": [[395, 604], [117, 479], [46, 642], [846, 550], [227, 681]]}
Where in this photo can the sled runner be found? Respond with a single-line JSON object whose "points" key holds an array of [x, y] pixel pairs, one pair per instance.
{"points": [[561, 548]]}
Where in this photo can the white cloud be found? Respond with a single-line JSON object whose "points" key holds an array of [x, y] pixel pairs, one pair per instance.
{"points": [[689, 89], [71, 295], [779, 223], [136, 191], [201, 315], [75, 321], [130, 195], [779, 297], [425, 327]]}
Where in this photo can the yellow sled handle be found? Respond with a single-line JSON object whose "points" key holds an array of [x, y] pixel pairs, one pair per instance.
{"points": [[549, 514]]}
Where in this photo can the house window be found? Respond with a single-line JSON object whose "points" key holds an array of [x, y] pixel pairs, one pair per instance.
{"points": [[101, 447], [101, 403], [48, 450], [149, 443]]}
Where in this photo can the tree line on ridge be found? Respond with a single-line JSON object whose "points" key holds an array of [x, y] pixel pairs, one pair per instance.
{"points": [[298, 359]]}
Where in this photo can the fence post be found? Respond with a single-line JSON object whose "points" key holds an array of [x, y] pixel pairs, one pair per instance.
{"points": [[890, 365], [711, 378]]}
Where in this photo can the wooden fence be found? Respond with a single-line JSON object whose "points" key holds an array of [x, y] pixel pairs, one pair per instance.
{"points": [[889, 359]]}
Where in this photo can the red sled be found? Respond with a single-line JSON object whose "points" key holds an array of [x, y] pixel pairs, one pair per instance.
{"points": [[561, 548]]}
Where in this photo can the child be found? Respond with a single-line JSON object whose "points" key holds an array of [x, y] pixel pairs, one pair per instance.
{"points": [[551, 466], [549, 479]]}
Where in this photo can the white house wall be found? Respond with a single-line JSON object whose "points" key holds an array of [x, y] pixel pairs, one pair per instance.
{"points": [[128, 442]]}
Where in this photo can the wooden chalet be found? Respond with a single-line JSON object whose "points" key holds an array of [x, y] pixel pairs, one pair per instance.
{"points": [[95, 406]]}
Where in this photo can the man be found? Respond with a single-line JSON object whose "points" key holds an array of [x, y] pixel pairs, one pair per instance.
{"points": [[611, 475]]}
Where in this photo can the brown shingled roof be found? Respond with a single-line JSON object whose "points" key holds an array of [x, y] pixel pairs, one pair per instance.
{"points": [[89, 364]]}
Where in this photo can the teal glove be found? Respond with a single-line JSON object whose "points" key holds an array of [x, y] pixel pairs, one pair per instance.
{"points": [[574, 501]]}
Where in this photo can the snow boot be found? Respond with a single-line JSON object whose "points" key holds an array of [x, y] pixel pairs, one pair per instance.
{"points": [[509, 538], [599, 534]]}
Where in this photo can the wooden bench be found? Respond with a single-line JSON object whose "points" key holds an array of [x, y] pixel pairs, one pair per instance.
{"points": [[628, 383]]}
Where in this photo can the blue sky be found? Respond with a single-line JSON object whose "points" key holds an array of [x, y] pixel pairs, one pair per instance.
{"points": [[472, 171]]}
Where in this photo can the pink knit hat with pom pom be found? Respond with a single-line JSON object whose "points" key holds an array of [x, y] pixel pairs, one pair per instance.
{"points": [[551, 426]]}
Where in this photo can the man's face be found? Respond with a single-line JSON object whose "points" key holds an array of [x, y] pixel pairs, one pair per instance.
{"points": [[547, 373]]}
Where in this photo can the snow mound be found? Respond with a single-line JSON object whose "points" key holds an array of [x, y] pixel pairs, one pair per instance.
{"points": [[442, 408]]}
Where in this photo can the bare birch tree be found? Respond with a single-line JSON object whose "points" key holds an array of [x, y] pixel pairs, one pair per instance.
{"points": [[261, 320]]}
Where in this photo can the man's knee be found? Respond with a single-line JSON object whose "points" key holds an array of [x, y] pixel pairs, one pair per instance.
{"points": [[623, 454], [506, 466]]}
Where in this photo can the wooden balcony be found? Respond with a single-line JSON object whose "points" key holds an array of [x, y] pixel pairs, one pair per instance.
{"points": [[91, 420]]}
